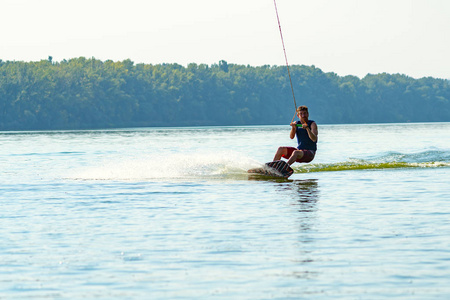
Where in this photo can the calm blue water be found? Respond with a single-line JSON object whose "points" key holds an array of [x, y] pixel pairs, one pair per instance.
{"points": [[170, 213]]}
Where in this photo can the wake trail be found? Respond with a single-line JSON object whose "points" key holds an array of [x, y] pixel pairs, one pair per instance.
{"points": [[393, 160], [224, 164], [234, 165]]}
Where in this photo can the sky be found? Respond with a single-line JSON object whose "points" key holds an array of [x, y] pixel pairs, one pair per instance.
{"points": [[347, 37]]}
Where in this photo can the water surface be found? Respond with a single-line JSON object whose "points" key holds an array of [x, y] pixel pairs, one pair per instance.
{"points": [[170, 213]]}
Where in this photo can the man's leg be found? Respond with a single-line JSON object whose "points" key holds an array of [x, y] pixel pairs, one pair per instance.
{"points": [[281, 151], [297, 154]]}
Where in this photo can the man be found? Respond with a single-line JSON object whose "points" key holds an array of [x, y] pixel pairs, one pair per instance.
{"points": [[306, 132]]}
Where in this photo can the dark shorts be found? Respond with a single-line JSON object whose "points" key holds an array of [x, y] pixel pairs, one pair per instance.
{"points": [[308, 155]]}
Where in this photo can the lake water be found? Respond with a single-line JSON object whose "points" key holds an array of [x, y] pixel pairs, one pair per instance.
{"points": [[170, 213]]}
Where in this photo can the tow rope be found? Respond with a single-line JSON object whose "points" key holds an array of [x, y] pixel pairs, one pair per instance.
{"points": [[285, 56]]}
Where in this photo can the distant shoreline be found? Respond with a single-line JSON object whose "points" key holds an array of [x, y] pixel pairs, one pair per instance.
{"points": [[91, 94], [207, 127]]}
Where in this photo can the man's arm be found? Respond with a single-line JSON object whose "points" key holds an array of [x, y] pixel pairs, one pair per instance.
{"points": [[293, 130], [312, 132]]}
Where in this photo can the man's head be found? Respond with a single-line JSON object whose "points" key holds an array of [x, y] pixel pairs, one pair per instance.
{"points": [[302, 112]]}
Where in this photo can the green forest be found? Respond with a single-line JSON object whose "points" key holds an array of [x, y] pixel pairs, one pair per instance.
{"points": [[83, 93]]}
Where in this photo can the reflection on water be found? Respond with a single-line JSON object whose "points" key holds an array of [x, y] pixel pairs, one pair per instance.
{"points": [[304, 195], [305, 198], [307, 193]]}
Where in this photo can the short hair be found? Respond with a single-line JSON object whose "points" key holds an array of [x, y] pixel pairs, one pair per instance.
{"points": [[302, 108]]}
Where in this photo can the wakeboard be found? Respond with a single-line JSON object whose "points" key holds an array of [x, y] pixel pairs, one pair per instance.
{"points": [[278, 168]]}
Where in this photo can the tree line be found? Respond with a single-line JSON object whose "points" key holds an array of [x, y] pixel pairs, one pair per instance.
{"points": [[83, 93]]}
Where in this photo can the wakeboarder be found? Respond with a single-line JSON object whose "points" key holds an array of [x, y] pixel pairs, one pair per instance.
{"points": [[306, 131]]}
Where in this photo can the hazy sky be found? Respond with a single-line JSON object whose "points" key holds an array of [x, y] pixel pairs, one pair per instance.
{"points": [[353, 37]]}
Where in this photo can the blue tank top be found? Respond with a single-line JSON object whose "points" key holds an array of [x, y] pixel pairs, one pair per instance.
{"points": [[304, 142]]}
